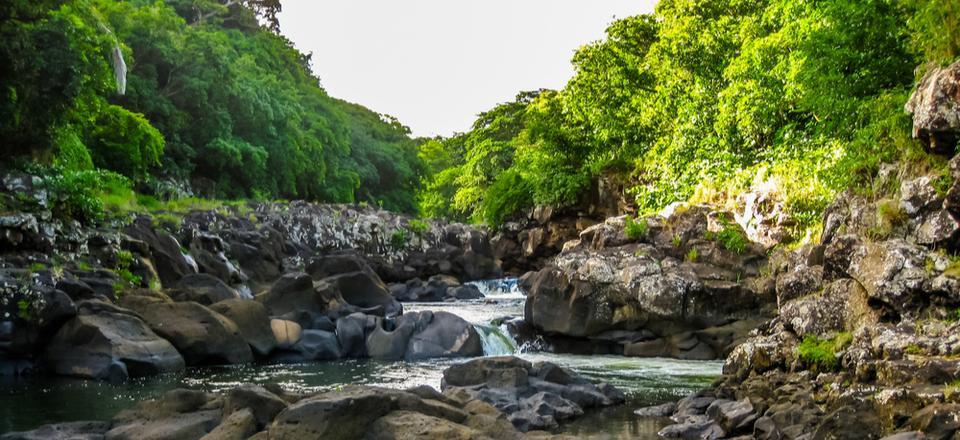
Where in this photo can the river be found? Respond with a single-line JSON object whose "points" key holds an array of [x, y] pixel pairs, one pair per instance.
{"points": [[27, 404]]}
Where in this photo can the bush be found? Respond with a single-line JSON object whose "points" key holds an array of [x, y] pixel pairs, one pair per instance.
{"points": [[399, 239], [732, 238], [76, 195], [125, 142], [820, 355], [418, 227], [635, 230]]}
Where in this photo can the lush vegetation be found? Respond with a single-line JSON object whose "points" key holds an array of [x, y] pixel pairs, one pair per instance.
{"points": [[700, 101], [212, 97]]}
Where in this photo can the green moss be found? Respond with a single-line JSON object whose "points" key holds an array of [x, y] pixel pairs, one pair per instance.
{"points": [[913, 349], [635, 229], [677, 240], [890, 215], [821, 354], [942, 183], [36, 267], [23, 310], [692, 255]]}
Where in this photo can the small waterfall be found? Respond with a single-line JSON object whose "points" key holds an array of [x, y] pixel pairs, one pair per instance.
{"points": [[119, 69], [501, 288], [496, 340], [118, 63]]}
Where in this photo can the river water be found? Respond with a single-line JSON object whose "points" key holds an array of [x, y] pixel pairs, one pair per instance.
{"points": [[28, 404]]}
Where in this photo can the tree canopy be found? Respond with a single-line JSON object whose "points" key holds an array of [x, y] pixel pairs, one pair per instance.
{"points": [[214, 97], [700, 99]]}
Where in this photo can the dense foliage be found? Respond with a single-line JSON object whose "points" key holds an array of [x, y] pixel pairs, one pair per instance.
{"points": [[214, 97], [701, 100]]}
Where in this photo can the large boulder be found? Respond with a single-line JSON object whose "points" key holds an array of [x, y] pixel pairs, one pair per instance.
{"points": [[445, 335], [202, 288], [364, 289], [935, 106], [203, 336], [297, 292], [106, 342], [165, 251], [253, 322], [176, 415]]}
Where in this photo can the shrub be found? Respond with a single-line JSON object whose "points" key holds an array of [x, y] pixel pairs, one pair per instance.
{"points": [[399, 239], [732, 238], [418, 227], [889, 216], [125, 142], [951, 389], [693, 255], [821, 354], [635, 230]]}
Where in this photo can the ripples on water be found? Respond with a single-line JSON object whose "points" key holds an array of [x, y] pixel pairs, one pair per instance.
{"points": [[28, 404]]}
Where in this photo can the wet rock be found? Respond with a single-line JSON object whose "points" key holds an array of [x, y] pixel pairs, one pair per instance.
{"points": [[351, 334], [318, 345], [935, 106], [664, 410], [337, 264], [203, 336], [253, 322], [390, 345], [109, 343], [446, 335], [209, 252], [178, 414], [700, 428], [63, 431]]}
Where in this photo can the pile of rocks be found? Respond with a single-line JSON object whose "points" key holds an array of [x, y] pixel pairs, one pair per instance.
{"points": [[534, 396], [439, 288]]}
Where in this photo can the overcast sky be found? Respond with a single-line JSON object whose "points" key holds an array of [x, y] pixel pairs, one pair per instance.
{"points": [[436, 64]]}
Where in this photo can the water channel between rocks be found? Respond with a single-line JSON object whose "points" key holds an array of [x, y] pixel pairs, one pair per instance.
{"points": [[28, 404]]}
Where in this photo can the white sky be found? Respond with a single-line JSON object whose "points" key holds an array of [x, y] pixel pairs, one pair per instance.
{"points": [[436, 64]]}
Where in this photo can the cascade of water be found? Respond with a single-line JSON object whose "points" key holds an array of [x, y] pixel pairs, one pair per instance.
{"points": [[503, 288], [496, 340], [119, 69]]}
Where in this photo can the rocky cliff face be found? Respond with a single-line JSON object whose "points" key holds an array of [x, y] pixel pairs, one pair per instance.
{"points": [[866, 338], [686, 284]]}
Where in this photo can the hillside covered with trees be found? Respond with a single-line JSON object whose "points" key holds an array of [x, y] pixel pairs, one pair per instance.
{"points": [[197, 92], [701, 100]]}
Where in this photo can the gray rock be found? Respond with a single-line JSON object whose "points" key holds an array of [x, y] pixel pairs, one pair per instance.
{"points": [[664, 410], [701, 428], [351, 334], [202, 288], [203, 336], [109, 343], [262, 404], [390, 345], [936, 109], [62, 431], [318, 345], [732, 416], [165, 251], [239, 425], [253, 322], [446, 335]]}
